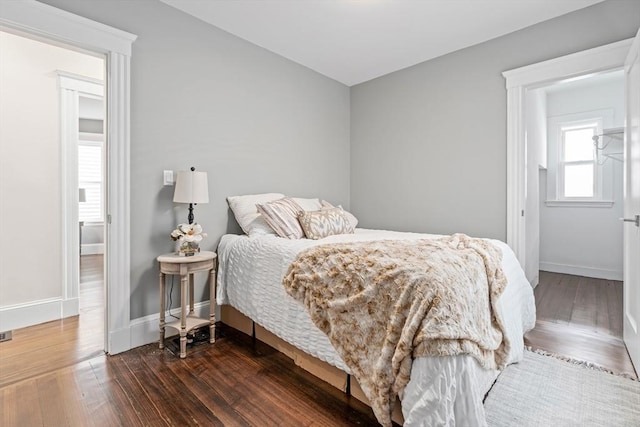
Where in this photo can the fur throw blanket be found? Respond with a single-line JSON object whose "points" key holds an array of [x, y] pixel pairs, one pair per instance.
{"points": [[386, 302]]}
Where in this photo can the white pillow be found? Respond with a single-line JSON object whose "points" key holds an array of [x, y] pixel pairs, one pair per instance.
{"points": [[351, 217], [308, 204], [247, 215]]}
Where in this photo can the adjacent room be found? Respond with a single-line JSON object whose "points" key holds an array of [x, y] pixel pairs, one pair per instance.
{"points": [[344, 212]]}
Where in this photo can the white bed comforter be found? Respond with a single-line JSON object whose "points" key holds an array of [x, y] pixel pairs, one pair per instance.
{"points": [[442, 391]]}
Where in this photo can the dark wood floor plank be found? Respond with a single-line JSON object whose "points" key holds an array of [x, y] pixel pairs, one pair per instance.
{"points": [[211, 391], [130, 413], [154, 389], [307, 397], [155, 375], [138, 400]]}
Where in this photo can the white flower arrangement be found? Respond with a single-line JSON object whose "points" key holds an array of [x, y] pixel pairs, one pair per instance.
{"points": [[188, 233]]}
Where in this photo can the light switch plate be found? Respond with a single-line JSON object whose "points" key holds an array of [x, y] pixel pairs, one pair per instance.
{"points": [[168, 178]]}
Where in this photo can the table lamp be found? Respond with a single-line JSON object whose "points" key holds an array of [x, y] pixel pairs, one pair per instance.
{"points": [[191, 187]]}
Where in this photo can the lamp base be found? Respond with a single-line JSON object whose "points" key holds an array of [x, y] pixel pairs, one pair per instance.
{"points": [[190, 216]]}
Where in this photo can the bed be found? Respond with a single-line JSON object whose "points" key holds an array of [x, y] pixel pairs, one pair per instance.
{"points": [[442, 390]]}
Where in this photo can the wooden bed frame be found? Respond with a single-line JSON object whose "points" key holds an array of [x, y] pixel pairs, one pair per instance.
{"points": [[326, 372]]}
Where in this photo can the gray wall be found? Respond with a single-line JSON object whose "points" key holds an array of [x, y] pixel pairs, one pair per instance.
{"points": [[201, 97], [428, 143]]}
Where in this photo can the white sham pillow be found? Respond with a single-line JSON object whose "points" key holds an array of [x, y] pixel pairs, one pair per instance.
{"points": [[246, 213], [308, 204]]}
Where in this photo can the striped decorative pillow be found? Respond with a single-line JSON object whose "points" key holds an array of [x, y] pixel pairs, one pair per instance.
{"points": [[325, 222], [282, 216]]}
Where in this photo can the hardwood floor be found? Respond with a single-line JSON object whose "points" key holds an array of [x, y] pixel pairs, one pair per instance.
{"points": [[56, 374], [53, 345], [230, 383], [580, 317]]}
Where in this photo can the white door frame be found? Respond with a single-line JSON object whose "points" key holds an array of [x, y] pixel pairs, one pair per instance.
{"points": [[55, 25], [72, 87], [631, 295], [518, 81]]}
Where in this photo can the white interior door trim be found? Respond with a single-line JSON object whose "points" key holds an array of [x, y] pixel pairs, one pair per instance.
{"points": [[52, 24], [518, 81], [71, 88], [631, 294]]}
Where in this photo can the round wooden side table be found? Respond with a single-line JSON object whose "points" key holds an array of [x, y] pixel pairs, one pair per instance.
{"points": [[185, 267]]}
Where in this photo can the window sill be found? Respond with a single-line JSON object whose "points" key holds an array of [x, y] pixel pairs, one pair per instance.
{"points": [[92, 223], [579, 203]]}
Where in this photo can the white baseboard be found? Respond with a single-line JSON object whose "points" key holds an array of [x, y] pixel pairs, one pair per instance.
{"points": [[145, 330], [535, 281], [92, 249], [119, 341], [70, 307], [36, 312], [141, 331], [597, 273]]}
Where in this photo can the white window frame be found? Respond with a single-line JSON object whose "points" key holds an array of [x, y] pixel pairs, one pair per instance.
{"points": [[561, 130], [555, 171], [95, 140]]}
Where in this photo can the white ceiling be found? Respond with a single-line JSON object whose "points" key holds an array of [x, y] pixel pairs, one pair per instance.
{"points": [[353, 41]]}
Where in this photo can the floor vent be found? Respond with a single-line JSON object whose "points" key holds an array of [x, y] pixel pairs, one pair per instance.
{"points": [[5, 336]]}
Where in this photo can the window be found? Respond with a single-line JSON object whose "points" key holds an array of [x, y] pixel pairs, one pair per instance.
{"points": [[576, 175], [90, 154], [578, 162]]}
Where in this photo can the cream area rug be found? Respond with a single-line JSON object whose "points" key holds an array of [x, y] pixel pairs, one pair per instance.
{"points": [[545, 391]]}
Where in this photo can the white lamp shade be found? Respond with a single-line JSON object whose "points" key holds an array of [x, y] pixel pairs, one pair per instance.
{"points": [[191, 187], [82, 195]]}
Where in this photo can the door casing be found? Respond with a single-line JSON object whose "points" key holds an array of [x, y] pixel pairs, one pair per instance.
{"points": [[41, 21], [589, 62], [631, 295], [593, 61]]}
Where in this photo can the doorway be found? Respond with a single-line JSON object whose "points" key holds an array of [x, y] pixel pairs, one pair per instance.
{"points": [[575, 145], [42, 21], [522, 194], [91, 209], [580, 178], [40, 138]]}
